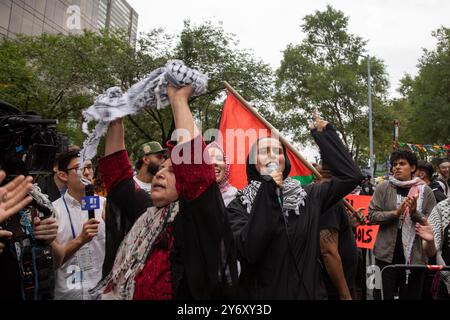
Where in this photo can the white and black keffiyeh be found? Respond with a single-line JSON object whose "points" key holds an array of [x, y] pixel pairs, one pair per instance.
{"points": [[150, 92], [293, 196], [439, 220], [417, 187], [41, 198]]}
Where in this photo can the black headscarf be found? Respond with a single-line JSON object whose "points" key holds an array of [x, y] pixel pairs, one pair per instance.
{"points": [[252, 172]]}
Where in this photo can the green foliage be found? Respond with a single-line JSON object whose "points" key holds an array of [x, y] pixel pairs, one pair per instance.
{"points": [[325, 72], [215, 52], [426, 97], [58, 76]]}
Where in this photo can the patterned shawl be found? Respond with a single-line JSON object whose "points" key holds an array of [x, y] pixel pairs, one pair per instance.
{"points": [[133, 253], [293, 196], [417, 187], [439, 220]]}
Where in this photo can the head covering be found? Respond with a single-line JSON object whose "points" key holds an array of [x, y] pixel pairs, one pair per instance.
{"points": [[293, 194], [148, 148], [226, 189], [224, 184], [252, 172]]}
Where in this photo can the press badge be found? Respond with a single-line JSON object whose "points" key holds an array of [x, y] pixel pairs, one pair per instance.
{"points": [[84, 256], [90, 203]]}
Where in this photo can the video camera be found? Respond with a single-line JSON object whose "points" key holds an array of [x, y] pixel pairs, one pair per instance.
{"points": [[28, 146], [28, 143]]}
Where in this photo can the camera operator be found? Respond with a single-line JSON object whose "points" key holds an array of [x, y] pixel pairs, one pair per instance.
{"points": [[13, 199], [28, 144]]}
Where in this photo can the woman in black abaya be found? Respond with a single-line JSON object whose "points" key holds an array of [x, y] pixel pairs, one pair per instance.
{"points": [[275, 221]]}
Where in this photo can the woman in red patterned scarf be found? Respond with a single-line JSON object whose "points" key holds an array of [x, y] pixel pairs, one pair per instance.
{"points": [[174, 249]]}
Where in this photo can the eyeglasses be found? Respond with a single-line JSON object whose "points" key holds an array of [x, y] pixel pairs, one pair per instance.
{"points": [[88, 167]]}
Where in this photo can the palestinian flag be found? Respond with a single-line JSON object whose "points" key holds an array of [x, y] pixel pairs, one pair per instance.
{"points": [[237, 118]]}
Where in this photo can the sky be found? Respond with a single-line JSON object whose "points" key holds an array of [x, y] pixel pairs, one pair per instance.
{"points": [[396, 30]]}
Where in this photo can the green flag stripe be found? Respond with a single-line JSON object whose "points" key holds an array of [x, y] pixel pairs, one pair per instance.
{"points": [[304, 180]]}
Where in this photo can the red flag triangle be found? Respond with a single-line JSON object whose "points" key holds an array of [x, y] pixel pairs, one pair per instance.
{"points": [[239, 129]]}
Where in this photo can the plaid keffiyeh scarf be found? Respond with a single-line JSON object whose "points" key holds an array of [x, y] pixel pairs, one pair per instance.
{"points": [[417, 187], [293, 196], [439, 220], [150, 92]]}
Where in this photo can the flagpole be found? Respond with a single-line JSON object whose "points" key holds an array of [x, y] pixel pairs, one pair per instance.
{"points": [[285, 142]]}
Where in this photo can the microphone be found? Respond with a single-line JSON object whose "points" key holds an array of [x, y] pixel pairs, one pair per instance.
{"points": [[89, 190], [272, 167]]}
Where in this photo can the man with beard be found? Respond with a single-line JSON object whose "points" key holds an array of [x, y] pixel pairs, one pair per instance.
{"points": [[149, 158]]}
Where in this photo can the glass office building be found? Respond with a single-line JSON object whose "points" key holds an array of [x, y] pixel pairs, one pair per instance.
{"points": [[33, 17]]}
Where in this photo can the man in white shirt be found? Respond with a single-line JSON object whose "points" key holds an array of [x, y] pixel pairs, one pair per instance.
{"points": [[79, 247], [149, 157]]}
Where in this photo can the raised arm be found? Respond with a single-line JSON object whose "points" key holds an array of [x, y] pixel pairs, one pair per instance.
{"points": [[193, 174], [181, 112], [346, 174], [115, 138]]}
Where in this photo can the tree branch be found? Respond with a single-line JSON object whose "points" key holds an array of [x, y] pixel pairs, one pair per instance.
{"points": [[139, 128]]}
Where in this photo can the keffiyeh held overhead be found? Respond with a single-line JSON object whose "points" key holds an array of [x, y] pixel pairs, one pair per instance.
{"points": [[150, 92]]}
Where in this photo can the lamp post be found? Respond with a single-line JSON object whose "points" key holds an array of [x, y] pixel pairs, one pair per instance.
{"points": [[369, 102]]}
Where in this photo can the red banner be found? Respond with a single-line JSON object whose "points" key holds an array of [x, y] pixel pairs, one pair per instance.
{"points": [[366, 236], [358, 201]]}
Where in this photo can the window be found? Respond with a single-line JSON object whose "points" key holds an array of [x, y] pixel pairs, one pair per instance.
{"points": [[5, 12], [38, 26], [40, 6], [27, 23], [15, 23]]}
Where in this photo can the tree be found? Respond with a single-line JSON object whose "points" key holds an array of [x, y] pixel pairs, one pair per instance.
{"points": [[57, 76], [325, 73], [207, 47], [427, 96], [215, 52]]}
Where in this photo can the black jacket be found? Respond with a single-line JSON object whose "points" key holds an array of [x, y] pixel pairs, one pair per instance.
{"points": [[439, 192], [282, 260]]}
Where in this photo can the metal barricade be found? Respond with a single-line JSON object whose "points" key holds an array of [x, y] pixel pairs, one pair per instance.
{"points": [[412, 267]]}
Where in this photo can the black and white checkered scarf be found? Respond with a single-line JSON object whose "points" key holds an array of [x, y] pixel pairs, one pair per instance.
{"points": [[439, 219], [293, 196], [150, 92]]}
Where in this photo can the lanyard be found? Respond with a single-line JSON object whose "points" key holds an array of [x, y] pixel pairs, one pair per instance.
{"points": [[70, 218]]}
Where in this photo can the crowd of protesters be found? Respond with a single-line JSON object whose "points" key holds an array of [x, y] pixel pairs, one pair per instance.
{"points": [[179, 230]]}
